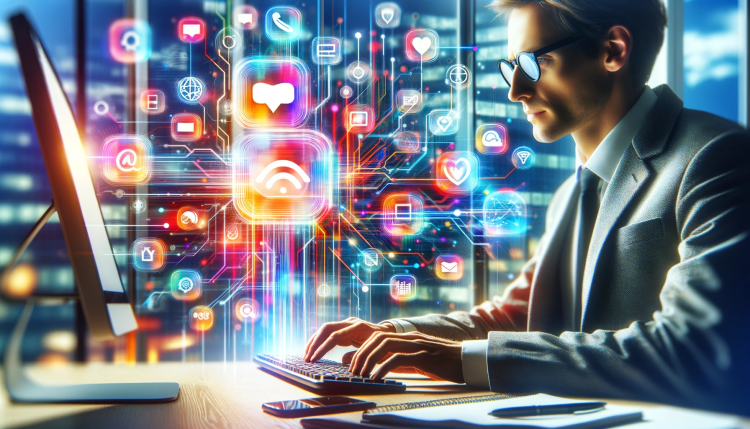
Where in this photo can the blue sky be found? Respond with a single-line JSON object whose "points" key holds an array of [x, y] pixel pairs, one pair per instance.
{"points": [[711, 56]]}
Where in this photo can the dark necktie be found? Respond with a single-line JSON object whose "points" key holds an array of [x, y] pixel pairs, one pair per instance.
{"points": [[588, 209]]}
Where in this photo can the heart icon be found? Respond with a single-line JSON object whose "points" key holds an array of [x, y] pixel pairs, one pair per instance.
{"points": [[421, 44], [455, 173]]}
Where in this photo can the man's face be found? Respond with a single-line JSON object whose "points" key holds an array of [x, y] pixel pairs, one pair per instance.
{"points": [[573, 87]]}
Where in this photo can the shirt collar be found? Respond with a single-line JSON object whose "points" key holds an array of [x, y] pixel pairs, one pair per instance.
{"points": [[603, 162]]}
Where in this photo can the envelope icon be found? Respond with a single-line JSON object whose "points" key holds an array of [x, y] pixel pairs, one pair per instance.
{"points": [[449, 267], [411, 100]]}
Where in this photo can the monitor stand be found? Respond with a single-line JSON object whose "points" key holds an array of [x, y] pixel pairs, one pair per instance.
{"points": [[22, 389]]}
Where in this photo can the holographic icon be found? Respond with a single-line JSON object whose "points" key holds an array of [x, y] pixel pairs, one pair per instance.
{"points": [[403, 287], [403, 214], [191, 30], [283, 23], [523, 158], [492, 139], [358, 72], [127, 159], [191, 218], [449, 267], [457, 172], [422, 45], [149, 254], [346, 92], [324, 290], [247, 310], [409, 101], [407, 141], [233, 232], [201, 318], [153, 101], [326, 51], [129, 41], [272, 92], [458, 76], [283, 176], [227, 39], [185, 285], [191, 90], [245, 17], [370, 260], [387, 15], [504, 214], [138, 205], [443, 122], [359, 118], [187, 127]]}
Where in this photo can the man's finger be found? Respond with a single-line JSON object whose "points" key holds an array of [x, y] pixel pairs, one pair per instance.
{"points": [[398, 361], [342, 337], [374, 342], [391, 346], [324, 332]]}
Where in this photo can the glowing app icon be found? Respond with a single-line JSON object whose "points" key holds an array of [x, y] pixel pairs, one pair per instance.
{"points": [[370, 260], [326, 50], [504, 214], [186, 127], [191, 218], [283, 176], [403, 214], [191, 90], [449, 267], [457, 172], [443, 122], [422, 45], [149, 254], [185, 285], [201, 318], [227, 39], [403, 287], [358, 72], [247, 310], [359, 118], [407, 141], [245, 17], [233, 232], [458, 76], [283, 23], [272, 92], [324, 290], [129, 41], [387, 15], [346, 92], [191, 30], [523, 158], [492, 139], [127, 159], [409, 101], [153, 102]]}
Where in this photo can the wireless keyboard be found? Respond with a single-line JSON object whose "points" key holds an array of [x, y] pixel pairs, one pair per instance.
{"points": [[324, 377]]}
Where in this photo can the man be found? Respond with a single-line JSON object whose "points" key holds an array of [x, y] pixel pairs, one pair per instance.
{"points": [[639, 284]]}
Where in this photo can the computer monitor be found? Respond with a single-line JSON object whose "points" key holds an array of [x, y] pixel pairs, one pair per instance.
{"points": [[105, 303]]}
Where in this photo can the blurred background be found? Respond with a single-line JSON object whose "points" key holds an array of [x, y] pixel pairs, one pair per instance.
{"points": [[704, 60]]}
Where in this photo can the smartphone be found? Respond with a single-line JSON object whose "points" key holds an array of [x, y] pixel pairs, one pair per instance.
{"points": [[316, 406]]}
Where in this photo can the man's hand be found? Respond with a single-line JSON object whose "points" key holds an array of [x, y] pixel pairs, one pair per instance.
{"points": [[412, 352], [350, 332]]}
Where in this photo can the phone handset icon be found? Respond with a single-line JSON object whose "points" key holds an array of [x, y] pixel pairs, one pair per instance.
{"points": [[281, 24]]}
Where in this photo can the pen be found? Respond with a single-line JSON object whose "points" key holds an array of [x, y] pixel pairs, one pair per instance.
{"points": [[543, 410]]}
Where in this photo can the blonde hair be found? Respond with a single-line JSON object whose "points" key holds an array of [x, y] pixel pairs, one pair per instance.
{"points": [[645, 19]]}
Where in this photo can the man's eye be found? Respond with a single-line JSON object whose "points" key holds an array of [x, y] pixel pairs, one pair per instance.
{"points": [[542, 61]]}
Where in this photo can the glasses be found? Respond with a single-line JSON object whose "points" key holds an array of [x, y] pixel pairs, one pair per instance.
{"points": [[528, 60]]}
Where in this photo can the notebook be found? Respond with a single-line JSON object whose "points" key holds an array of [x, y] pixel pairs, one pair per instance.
{"points": [[472, 412]]}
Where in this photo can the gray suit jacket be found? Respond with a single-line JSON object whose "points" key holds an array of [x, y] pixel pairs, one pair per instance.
{"points": [[666, 309]]}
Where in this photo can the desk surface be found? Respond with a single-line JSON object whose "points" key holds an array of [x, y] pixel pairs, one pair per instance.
{"points": [[212, 395]]}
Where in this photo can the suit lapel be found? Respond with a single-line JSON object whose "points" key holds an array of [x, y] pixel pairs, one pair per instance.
{"points": [[542, 317], [629, 178]]}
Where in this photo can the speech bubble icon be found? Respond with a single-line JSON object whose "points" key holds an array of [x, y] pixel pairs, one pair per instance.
{"points": [[245, 18], [191, 30], [273, 95]]}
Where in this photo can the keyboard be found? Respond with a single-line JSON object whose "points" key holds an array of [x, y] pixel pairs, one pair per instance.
{"points": [[324, 377]]}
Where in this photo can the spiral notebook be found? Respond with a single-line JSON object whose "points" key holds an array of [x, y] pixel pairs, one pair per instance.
{"points": [[472, 412]]}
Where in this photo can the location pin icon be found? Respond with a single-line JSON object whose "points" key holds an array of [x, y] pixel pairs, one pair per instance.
{"points": [[387, 15]]}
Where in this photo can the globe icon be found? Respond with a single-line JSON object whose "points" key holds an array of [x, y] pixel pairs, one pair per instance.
{"points": [[191, 89], [504, 214]]}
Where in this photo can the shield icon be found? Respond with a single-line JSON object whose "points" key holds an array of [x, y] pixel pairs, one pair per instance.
{"points": [[387, 15]]}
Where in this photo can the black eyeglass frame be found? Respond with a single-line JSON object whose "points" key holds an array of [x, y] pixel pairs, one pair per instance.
{"points": [[534, 55]]}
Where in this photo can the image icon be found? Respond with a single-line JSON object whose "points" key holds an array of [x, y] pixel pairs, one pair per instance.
{"points": [[409, 101]]}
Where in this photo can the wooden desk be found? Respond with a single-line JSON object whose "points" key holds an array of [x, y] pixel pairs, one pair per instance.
{"points": [[212, 395]]}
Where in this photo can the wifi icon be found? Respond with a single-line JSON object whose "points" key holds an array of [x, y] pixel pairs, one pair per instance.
{"points": [[282, 175], [523, 158]]}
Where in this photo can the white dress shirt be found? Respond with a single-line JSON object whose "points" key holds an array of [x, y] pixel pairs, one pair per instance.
{"points": [[603, 162]]}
